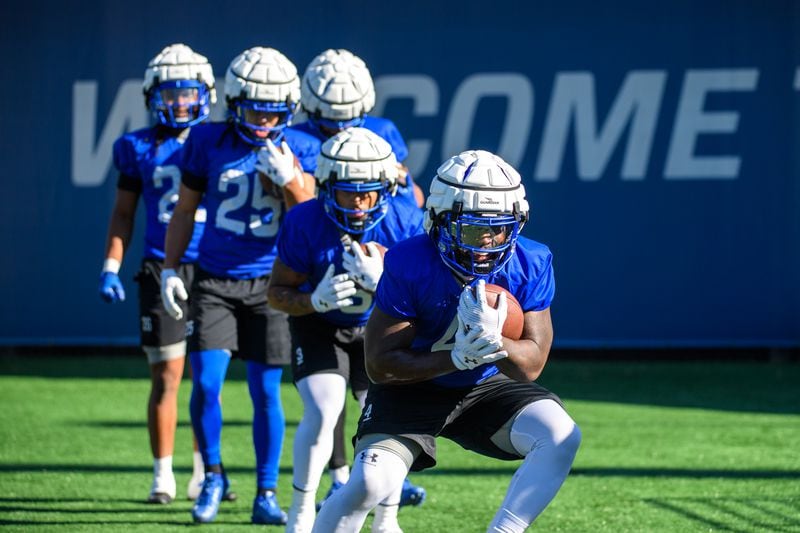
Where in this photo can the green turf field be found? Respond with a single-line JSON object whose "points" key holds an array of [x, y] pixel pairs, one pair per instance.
{"points": [[666, 447]]}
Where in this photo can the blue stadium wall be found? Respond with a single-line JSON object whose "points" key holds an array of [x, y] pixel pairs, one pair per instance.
{"points": [[658, 142]]}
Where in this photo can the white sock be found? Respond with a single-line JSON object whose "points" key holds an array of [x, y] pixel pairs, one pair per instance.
{"points": [[385, 519], [162, 467], [506, 522], [548, 439], [198, 468], [323, 398], [340, 475], [302, 512]]}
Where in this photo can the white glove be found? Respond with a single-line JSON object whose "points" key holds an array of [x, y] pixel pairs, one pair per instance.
{"points": [[333, 292], [277, 165], [476, 313], [474, 348], [171, 287], [364, 269]]}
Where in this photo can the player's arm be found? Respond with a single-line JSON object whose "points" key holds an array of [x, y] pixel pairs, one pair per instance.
{"points": [[300, 189], [283, 293], [389, 358], [181, 226], [527, 356], [120, 229], [120, 225]]}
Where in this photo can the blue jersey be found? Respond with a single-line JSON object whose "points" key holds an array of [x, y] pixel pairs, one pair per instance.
{"points": [[309, 241], [417, 286], [148, 165], [243, 221], [385, 129]]}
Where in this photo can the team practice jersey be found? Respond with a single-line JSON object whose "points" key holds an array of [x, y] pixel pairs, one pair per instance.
{"points": [[243, 221], [148, 164], [309, 241], [417, 286]]}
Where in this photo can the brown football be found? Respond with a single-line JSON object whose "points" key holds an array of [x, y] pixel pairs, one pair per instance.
{"points": [[381, 248], [515, 319]]}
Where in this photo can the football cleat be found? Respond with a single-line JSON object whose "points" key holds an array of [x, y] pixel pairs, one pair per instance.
{"points": [[412, 494], [163, 490], [196, 485], [267, 511], [336, 485], [207, 504]]}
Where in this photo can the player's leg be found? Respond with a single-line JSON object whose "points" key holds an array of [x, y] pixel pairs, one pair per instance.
{"points": [[348, 344], [545, 435], [323, 398], [381, 463], [383, 458], [211, 343], [162, 415], [540, 432], [319, 369], [163, 341], [265, 344], [338, 468]]}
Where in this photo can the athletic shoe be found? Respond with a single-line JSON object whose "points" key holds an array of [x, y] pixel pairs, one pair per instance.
{"points": [[196, 485], [267, 511], [163, 490], [207, 504], [412, 494], [334, 487]]}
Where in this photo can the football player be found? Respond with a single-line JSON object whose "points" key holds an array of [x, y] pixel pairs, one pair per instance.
{"points": [[338, 93], [221, 166], [329, 263], [178, 91], [439, 363]]}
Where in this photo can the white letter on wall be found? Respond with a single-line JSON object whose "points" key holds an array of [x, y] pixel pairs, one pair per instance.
{"points": [[573, 101], [90, 162], [519, 113], [425, 94], [691, 121]]}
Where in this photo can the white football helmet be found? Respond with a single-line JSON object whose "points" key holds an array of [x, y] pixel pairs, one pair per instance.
{"points": [[475, 211], [356, 160], [337, 91], [261, 80], [179, 86]]}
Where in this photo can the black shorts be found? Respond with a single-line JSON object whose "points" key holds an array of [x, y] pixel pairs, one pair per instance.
{"points": [[157, 328], [232, 314], [320, 347], [467, 416]]}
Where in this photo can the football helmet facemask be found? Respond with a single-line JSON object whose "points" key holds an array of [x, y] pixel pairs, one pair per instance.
{"points": [[179, 87], [262, 91], [475, 212], [359, 162], [337, 91]]}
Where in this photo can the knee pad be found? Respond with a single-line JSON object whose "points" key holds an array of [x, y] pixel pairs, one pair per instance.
{"points": [[544, 423]]}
